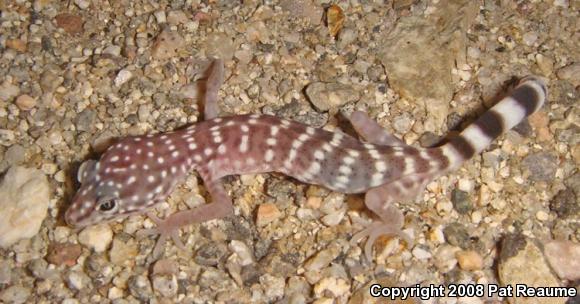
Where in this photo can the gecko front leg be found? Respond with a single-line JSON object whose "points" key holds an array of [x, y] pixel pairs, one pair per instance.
{"points": [[220, 207]]}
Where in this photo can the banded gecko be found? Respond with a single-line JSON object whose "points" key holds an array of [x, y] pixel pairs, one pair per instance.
{"points": [[139, 172]]}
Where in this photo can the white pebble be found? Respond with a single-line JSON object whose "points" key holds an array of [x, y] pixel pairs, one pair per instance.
{"points": [[421, 254], [82, 4], [476, 217], [243, 252], [123, 76], [542, 215], [24, 199], [115, 293], [96, 237], [160, 17]]}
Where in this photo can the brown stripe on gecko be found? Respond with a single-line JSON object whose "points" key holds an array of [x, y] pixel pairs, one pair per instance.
{"points": [[437, 155], [527, 98], [462, 146], [491, 124]]}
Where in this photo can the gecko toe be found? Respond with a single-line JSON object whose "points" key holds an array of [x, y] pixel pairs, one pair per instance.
{"points": [[374, 231]]}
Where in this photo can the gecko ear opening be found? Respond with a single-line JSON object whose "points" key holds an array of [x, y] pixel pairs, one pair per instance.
{"points": [[86, 170]]}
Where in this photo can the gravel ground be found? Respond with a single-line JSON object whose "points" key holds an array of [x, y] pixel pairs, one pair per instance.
{"points": [[77, 74]]}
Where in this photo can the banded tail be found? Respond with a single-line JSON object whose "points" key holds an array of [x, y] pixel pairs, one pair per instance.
{"points": [[525, 99]]}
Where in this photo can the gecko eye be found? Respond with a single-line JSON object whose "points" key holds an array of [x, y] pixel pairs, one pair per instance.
{"points": [[107, 205]]}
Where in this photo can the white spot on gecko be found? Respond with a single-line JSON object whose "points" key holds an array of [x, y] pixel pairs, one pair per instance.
{"points": [[244, 144], [269, 155]]}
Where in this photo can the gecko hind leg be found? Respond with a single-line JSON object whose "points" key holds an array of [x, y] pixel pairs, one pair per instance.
{"points": [[220, 207], [380, 201], [371, 131]]}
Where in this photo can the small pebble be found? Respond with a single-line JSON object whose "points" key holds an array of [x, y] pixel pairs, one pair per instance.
{"points": [[166, 285], [122, 77], [25, 102], [469, 260], [63, 254], [421, 254], [96, 237], [267, 213], [542, 215]]}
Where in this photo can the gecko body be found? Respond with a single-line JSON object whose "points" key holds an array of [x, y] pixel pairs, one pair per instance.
{"points": [[139, 172]]}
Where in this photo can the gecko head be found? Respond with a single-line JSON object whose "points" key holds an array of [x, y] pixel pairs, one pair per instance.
{"points": [[131, 176], [96, 201]]}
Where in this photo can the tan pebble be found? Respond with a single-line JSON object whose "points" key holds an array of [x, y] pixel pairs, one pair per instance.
{"points": [[165, 267], [469, 260], [539, 120], [495, 186], [314, 202], [542, 215], [63, 253], [546, 64], [576, 154], [476, 217], [25, 102], [16, 44], [267, 213]]}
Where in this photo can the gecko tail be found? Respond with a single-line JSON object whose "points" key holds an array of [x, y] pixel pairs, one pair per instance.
{"points": [[526, 98]]}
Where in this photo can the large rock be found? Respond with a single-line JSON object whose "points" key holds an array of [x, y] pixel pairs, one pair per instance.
{"points": [[521, 262], [420, 52], [24, 198]]}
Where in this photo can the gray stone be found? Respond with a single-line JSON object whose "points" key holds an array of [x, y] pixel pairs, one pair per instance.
{"points": [[571, 73], [461, 201], [403, 123], [15, 155], [220, 45], [8, 91], [542, 166], [166, 285], [15, 294], [326, 96], [457, 235], [210, 254], [5, 273], [50, 80], [565, 204], [306, 9], [7, 137], [409, 56], [140, 287], [85, 120]]}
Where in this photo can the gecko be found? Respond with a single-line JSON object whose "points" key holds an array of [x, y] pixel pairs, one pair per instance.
{"points": [[139, 172]]}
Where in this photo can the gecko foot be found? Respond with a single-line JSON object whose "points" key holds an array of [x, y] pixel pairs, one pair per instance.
{"points": [[165, 230], [378, 228]]}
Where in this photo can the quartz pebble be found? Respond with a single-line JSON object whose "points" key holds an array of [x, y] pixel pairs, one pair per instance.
{"points": [[97, 237], [24, 199]]}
